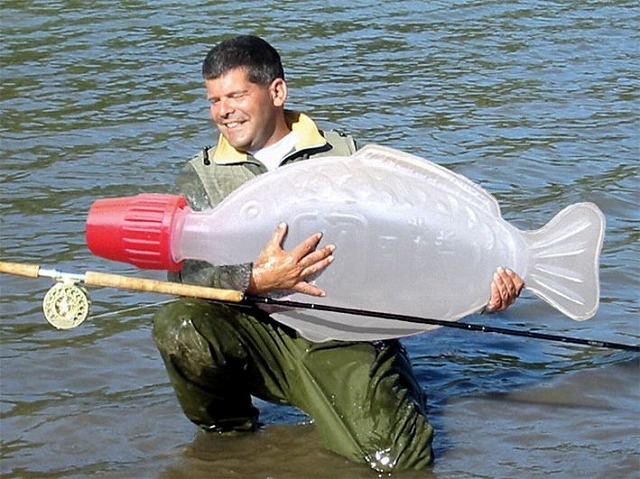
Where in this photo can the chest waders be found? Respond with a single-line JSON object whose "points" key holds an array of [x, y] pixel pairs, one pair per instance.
{"points": [[363, 397]]}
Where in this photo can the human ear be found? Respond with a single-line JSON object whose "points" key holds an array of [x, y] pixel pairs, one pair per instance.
{"points": [[278, 91]]}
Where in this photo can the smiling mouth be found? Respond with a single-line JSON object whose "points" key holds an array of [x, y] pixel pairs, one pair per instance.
{"points": [[232, 124]]}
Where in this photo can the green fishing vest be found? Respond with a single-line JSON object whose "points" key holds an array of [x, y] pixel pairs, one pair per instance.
{"points": [[218, 181]]}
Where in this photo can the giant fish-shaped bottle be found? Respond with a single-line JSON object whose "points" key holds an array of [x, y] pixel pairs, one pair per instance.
{"points": [[412, 238]]}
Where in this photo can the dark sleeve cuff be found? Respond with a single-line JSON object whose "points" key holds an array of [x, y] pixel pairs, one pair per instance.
{"points": [[201, 273]]}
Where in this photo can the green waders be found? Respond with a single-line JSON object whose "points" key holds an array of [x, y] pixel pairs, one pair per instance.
{"points": [[363, 396]]}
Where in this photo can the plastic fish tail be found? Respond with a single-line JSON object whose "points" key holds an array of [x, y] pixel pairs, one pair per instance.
{"points": [[565, 258]]}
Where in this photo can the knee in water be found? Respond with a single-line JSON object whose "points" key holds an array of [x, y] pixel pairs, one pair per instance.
{"points": [[172, 320]]}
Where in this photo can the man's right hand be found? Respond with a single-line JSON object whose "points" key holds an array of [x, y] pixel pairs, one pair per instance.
{"points": [[279, 270]]}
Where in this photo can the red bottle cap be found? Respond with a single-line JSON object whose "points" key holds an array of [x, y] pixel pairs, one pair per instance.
{"points": [[135, 230]]}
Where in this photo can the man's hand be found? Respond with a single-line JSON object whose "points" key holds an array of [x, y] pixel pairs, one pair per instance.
{"points": [[505, 288], [279, 270]]}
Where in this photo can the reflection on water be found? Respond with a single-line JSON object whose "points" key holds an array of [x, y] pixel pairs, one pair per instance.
{"points": [[536, 101]]}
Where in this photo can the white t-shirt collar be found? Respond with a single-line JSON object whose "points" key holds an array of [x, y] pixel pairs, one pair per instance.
{"points": [[272, 155]]}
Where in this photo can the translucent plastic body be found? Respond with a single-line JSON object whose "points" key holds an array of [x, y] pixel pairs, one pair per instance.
{"points": [[412, 238]]}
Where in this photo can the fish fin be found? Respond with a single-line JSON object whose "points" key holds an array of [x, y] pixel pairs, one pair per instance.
{"points": [[564, 260], [472, 192]]}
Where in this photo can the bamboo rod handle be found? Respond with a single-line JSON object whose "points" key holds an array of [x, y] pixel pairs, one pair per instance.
{"points": [[20, 269], [164, 287]]}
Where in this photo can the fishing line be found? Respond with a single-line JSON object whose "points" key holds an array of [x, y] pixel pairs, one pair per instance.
{"points": [[129, 310]]}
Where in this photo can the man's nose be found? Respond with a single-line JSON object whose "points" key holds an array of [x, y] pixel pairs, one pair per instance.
{"points": [[224, 107]]}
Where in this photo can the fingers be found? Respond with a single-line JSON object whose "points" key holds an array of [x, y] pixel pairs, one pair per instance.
{"points": [[505, 280], [307, 247], [515, 283], [280, 270], [505, 288], [278, 236], [312, 261], [305, 253], [308, 289], [317, 260]]}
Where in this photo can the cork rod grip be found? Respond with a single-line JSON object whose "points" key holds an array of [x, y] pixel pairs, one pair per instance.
{"points": [[20, 269], [163, 287]]}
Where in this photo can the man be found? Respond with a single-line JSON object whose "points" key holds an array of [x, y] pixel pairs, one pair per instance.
{"points": [[363, 397]]}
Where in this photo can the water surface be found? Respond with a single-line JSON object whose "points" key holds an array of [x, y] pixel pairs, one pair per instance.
{"points": [[537, 101]]}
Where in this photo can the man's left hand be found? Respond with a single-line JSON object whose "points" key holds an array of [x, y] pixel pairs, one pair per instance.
{"points": [[505, 288]]}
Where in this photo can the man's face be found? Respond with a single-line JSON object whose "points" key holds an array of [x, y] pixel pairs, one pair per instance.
{"points": [[245, 113]]}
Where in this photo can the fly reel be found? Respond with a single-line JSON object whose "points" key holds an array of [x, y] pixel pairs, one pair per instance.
{"points": [[66, 305]]}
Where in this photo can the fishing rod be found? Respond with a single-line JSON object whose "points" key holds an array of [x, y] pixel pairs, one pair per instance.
{"points": [[66, 305], [444, 323]]}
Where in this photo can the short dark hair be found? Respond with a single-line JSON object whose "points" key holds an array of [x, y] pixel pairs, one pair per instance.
{"points": [[261, 60]]}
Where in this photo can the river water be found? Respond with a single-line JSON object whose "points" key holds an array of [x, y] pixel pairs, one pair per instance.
{"points": [[537, 101]]}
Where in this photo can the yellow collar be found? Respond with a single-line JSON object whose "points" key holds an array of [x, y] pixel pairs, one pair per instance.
{"points": [[308, 137]]}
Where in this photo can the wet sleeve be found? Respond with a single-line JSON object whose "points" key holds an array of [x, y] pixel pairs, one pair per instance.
{"points": [[201, 273]]}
